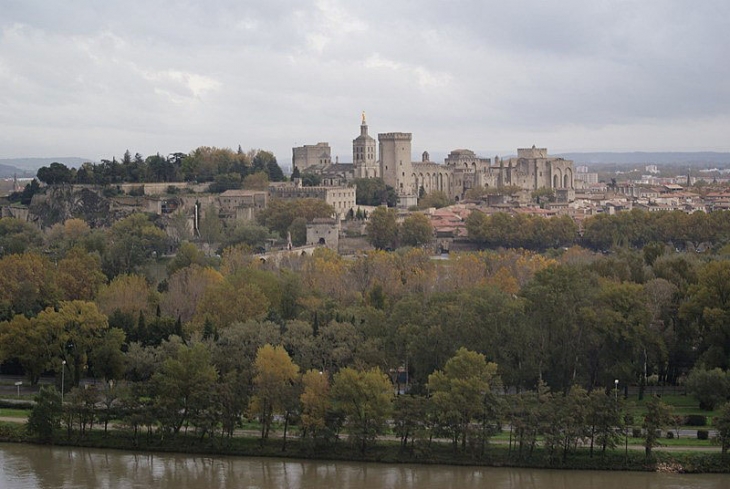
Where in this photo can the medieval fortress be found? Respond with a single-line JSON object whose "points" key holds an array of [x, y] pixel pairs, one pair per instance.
{"points": [[462, 169]]}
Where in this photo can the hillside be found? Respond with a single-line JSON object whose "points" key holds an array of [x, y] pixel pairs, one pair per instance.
{"points": [[8, 171], [657, 158], [29, 166]]}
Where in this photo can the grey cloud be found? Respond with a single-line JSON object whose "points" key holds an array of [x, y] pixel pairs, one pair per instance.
{"points": [[167, 76]]}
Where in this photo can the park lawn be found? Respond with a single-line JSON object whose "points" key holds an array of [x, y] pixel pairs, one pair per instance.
{"points": [[681, 406], [14, 413]]}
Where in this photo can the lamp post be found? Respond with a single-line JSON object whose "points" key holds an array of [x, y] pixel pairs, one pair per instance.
{"points": [[615, 389], [63, 378]]}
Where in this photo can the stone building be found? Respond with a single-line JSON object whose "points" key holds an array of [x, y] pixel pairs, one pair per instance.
{"points": [[324, 232], [241, 204], [342, 199], [311, 155], [364, 158], [462, 169]]}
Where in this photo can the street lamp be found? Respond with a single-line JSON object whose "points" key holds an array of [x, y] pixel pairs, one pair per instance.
{"points": [[615, 389], [63, 378]]}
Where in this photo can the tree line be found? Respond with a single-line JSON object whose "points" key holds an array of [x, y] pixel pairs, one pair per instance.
{"points": [[603, 232], [109, 304], [566, 317], [223, 167], [198, 388]]}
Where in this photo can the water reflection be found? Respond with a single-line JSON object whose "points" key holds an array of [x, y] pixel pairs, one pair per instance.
{"points": [[30, 467]]}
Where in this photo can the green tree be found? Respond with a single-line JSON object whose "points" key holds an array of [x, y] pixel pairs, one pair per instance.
{"points": [[249, 234], [382, 228], [133, 242], [265, 161], [298, 338], [559, 300], [45, 417], [26, 341], [658, 415], [74, 331], [710, 387], [436, 198], [366, 399], [184, 386], [543, 195], [211, 226], [460, 390], [335, 344], [566, 421], [107, 359], [280, 214], [55, 173], [374, 192], [603, 417], [298, 231], [310, 179], [226, 181], [410, 418], [721, 422], [187, 254], [707, 310], [416, 230], [18, 236]]}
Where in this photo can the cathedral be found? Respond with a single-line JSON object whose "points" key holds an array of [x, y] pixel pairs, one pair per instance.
{"points": [[462, 169]]}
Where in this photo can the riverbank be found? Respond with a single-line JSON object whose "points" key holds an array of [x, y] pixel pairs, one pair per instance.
{"points": [[388, 452]]}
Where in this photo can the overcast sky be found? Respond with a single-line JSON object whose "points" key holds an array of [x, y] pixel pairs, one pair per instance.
{"points": [[94, 78]]}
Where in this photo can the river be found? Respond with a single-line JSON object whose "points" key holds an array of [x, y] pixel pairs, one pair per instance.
{"points": [[30, 467]]}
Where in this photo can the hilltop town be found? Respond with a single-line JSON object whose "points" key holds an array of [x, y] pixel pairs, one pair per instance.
{"points": [[532, 183]]}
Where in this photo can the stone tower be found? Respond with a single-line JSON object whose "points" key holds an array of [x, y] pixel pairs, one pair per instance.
{"points": [[395, 165], [364, 157]]}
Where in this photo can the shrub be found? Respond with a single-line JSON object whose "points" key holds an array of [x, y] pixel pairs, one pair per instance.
{"points": [[710, 387], [695, 420], [636, 432], [703, 434], [670, 435], [45, 416]]}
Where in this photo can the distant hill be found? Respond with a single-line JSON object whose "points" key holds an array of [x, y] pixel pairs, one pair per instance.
{"points": [[8, 171], [657, 158], [31, 165], [607, 157]]}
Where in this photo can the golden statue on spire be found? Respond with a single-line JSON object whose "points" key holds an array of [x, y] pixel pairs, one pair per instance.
{"points": [[363, 117]]}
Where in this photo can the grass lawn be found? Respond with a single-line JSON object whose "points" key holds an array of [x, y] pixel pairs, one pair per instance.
{"points": [[681, 406], [14, 413]]}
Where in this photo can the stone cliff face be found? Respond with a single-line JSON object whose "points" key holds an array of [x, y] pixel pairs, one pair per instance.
{"points": [[62, 202]]}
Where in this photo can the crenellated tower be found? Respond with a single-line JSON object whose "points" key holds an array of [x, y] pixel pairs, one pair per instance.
{"points": [[396, 167]]}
